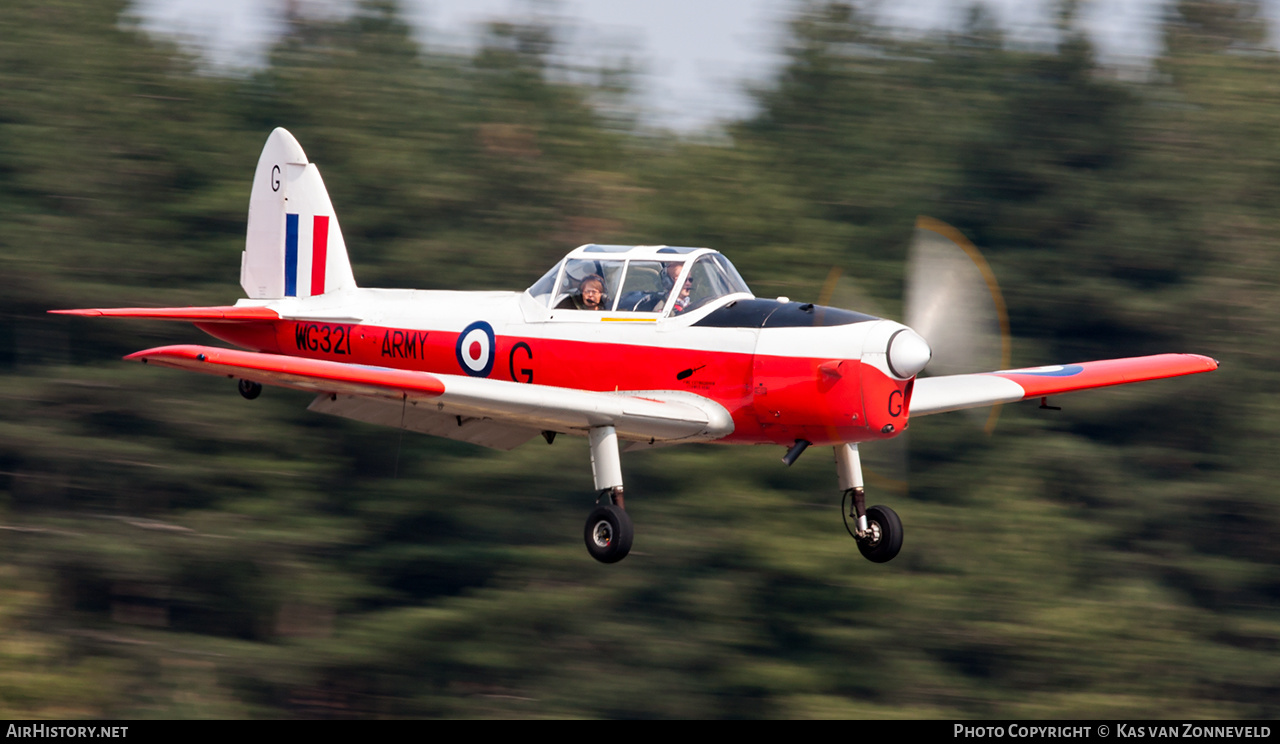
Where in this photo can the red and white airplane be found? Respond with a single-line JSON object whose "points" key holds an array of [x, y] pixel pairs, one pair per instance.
{"points": [[629, 346]]}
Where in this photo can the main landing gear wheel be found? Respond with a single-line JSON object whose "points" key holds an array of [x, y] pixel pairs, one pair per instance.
{"points": [[884, 535], [250, 389], [878, 529], [608, 533]]}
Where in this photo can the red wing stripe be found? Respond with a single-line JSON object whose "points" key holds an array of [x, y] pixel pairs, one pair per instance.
{"points": [[1040, 381], [229, 313], [305, 374]]}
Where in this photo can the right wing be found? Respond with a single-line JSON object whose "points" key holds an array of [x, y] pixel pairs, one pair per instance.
{"points": [[955, 392], [499, 413]]}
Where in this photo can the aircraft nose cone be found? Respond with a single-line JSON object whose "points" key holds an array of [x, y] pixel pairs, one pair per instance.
{"points": [[908, 353]]}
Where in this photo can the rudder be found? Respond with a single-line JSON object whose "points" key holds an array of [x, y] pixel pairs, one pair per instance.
{"points": [[293, 245]]}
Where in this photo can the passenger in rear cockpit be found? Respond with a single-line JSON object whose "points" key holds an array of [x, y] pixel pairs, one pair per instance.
{"points": [[670, 273], [682, 299]]}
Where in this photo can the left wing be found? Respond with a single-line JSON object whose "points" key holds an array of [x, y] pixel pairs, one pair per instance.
{"points": [[638, 416], [954, 392]]}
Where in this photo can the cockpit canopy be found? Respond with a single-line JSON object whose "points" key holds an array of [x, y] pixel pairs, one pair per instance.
{"points": [[659, 280]]}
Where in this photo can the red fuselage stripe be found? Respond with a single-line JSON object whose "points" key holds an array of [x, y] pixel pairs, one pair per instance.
{"points": [[771, 398]]}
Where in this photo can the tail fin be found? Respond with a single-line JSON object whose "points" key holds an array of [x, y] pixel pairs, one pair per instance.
{"points": [[293, 246]]}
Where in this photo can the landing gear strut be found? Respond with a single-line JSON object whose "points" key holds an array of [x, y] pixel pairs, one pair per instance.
{"points": [[250, 389], [877, 530], [608, 532]]}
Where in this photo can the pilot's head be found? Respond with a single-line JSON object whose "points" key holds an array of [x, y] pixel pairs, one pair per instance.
{"points": [[592, 289]]}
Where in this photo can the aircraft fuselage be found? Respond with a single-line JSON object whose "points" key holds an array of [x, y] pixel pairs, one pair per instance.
{"points": [[784, 371]]}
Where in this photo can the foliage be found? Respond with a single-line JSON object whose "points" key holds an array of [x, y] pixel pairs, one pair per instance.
{"points": [[170, 550]]}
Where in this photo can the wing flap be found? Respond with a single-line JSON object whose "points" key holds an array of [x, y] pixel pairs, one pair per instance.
{"points": [[649, 415], [657, 415], [955, 392], [424, 419]]}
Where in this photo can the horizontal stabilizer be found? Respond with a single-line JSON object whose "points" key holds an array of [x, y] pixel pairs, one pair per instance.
{"points": [[956, 392], [230, 313], [324, 318]]}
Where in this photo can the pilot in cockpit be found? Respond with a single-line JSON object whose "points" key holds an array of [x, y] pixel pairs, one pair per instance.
{"points": [[590, 294]]}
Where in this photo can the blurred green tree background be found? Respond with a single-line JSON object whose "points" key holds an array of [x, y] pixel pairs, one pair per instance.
{"points": [[170, 550]]}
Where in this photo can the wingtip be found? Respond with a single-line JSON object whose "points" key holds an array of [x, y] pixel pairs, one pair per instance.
{"points": [[1209, 362]]}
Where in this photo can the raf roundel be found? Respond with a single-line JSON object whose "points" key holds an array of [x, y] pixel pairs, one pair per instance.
{"points": [[475, 349], [1053, 370]]}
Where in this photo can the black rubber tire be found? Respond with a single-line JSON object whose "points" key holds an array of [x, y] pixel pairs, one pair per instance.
{"points": [[250, 389], [608, 533], [890, 542]]}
